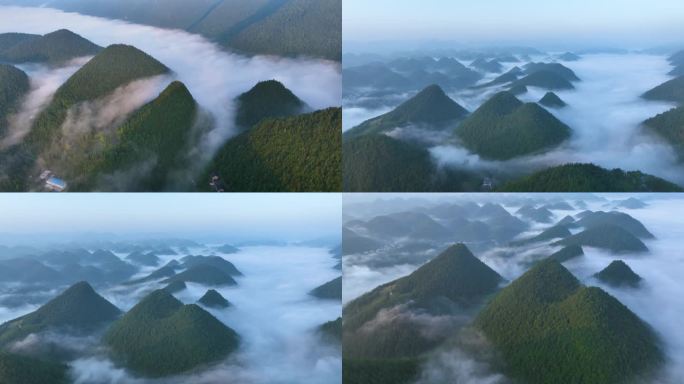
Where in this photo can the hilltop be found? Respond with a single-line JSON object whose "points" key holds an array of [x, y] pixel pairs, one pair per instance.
{"points": [[115, 66], [266, 99], [587, 336], [160, 336], [544, 79], [203, 274], [213, 299], [54, 48], [619, 274], [669, 126], [431, 108], [671, 90], [14, 84], [331, 290], [588, 178], [79, 309], [552, 100], [504, 128], [610, 237], [290, 154]]}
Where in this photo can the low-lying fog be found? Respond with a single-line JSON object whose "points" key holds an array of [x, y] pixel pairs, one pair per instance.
{"points": [[272, 312], [659, 300], [213, 75], [604, 111]]}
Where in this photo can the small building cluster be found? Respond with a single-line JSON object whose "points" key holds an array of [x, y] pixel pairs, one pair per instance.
{"points": [[52, 183]]}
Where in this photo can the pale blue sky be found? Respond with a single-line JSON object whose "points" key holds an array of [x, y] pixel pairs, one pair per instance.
{"points": [[635, 22], [280, 216]]}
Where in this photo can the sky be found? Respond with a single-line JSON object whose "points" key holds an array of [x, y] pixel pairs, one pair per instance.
{"points": [[534, 22], [279, 216]]}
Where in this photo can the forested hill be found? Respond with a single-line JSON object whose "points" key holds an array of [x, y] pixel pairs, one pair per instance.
{"points": [[275, 27]]}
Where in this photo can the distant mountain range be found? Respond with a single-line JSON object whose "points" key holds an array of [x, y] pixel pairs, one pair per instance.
{"points": [[274, 27]]}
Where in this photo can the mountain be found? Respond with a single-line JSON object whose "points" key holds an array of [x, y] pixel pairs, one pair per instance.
{"points": [[552, 100], [16, 369], [213, 299], [544, 79], [669, 126], [24, 270], [588, 178], [160, 336], [331, 290], [379, 163], [455, 275], [518, 90], [332, 330], [504, 128], [9, 40], [54, 48], [541, 215], [587, 336], [431, 108], [266, 99], [311, 28], [555, 232], [291, 154], [619, 274], [298, 27], [212, 261], [355, 243], [161, 273], [606, 236], [620, 219], [387, 371], [79, 309], [115, 66], [227, 249], [671, 90], [483, 65], [512, 75], [175, 286], [147, 259], [567, 253], [557, 68], [569, 56], [203, 274], [14, 84], [158, 135], [631, 203], [375, 75]]}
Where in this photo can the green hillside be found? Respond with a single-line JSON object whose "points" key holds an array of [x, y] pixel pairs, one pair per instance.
{"points": [[54, 48], [331, 290], [292, 154], [567, 253], [552, 100], [9, 40], [620, 219], [619, 274], [15, 369], [556, 68], [297, 28], [378, 163], [672, 90], [175, 286], [588, 178], [114, 67], [555, 232], [504, 128], [550, 329], [160, 336], [352, 243], [332, 330], [544, 79], [266, 99], [431, 108], [143, 258], [79, 309], [455, 274], [203, 274], [158, 134], [213, 261], [213, 299], [670, 126], [610, 237], [14, 84]]}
